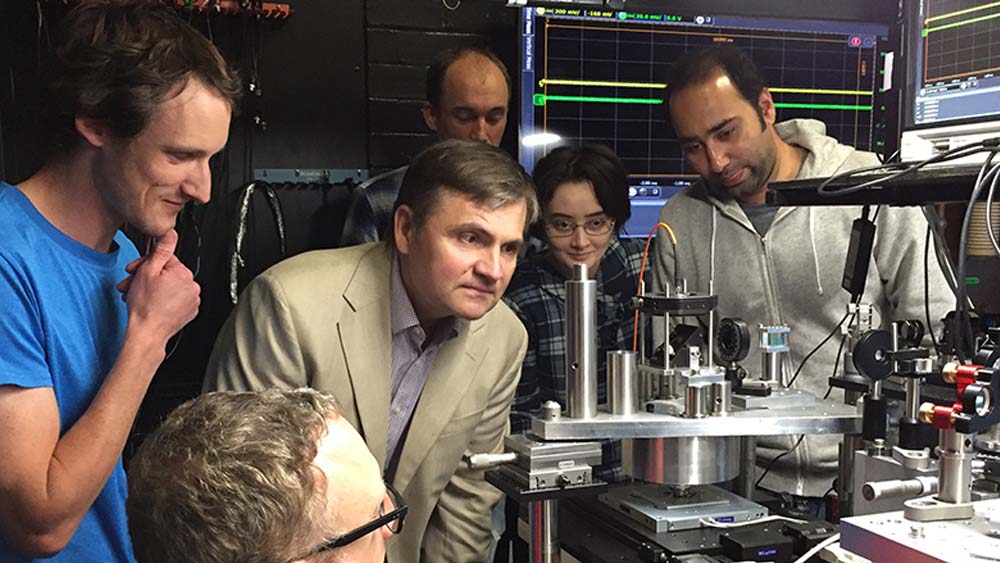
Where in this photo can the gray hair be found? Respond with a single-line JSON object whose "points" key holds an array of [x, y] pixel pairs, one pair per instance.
{"points": [[229, 478], [474, 169]]}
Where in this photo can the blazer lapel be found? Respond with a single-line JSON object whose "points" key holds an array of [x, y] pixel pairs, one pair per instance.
{"points": [[366, 341], [453, 372]]}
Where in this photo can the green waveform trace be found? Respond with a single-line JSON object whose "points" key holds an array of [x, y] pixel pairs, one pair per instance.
{"points": [[926, 31], [542, 99]]}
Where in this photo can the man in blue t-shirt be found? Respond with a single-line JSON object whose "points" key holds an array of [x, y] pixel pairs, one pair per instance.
{"points": [[137, 102]]}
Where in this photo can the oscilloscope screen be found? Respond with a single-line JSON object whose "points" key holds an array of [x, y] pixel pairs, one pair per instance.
{"points": [[955, 60], [599, 76]]}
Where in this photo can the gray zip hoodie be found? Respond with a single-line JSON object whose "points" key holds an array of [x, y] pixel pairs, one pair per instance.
{"points": [[792, 276]]}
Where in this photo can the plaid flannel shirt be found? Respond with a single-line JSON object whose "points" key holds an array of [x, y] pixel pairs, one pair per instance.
{"points": [[370, 214], [537, 294]]}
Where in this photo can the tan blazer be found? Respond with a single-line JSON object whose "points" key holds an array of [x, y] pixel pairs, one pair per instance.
{"points": [[322, 319]]}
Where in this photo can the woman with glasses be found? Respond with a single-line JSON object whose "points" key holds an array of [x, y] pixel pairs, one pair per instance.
{"points": [[584, 195]]}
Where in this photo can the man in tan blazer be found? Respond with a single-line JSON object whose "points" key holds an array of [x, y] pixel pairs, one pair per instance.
{"points": [[410, 339]]}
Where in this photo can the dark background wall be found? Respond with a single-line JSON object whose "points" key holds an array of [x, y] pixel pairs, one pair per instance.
{"points": [[336, 87]]}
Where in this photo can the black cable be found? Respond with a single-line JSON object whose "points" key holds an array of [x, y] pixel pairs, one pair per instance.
{"points": [[817, 348], [927, 294], [903, 169], [829, 388], [836, 363], [964, 325], [775, 460]]}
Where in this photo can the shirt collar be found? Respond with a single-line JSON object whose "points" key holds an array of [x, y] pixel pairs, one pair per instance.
{"points": [[405, 318]]}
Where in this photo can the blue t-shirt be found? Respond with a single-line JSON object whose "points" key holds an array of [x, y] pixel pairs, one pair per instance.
{"points": [[63, 325]]}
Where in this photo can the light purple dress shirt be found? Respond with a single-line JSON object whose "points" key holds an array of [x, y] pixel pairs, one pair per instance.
{"points": [[413, 353]]}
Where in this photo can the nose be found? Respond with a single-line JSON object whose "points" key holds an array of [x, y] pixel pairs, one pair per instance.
{"points": [[491, 266], [579, 238], [199, 184], [717, 158], [479, 132]]}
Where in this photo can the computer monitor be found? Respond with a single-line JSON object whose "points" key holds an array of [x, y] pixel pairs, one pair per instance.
{"points": [[598, 76], [952, 75]]}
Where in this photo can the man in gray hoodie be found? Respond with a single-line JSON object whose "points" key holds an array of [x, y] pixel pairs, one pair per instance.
{"points": [[773, 265]]}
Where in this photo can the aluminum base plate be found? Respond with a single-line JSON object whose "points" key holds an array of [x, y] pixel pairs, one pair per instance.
{"points": [[658, 510], [891, 538]]}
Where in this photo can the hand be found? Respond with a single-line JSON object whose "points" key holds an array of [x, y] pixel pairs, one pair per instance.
{"points": [[161, 293], [130, 269]]}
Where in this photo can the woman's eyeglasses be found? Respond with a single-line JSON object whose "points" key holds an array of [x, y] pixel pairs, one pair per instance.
{"points": [[596, 226]]}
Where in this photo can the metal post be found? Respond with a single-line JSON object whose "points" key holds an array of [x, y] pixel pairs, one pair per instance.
{"points": [[955, 469], [543, 519], [581, 344], [845, 475], [711, 328], [641, 329], [748, 453], [913, 386], [623, 371]]}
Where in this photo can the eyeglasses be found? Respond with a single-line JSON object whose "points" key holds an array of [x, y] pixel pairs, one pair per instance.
{"points": [[595, 226], [392, 520]]}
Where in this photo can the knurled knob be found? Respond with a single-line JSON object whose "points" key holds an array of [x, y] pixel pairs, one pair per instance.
{"points": [[927, 413]]}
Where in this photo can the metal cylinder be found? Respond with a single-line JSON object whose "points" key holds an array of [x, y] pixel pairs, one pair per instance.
{"points": [[542, 519], [913, 387], [696, 401], [895, 488], [623, 371], [551, 410], [581, 344], [744, 485], [773, 343], [721, 398], [699, 460], [955, 467]]}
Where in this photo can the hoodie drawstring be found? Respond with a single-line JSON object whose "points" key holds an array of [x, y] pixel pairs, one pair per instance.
{"points": [[812, 239]]}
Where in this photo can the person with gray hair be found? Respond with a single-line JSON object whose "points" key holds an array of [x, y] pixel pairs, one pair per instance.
{"points": [[410, 337], [259, 477]]}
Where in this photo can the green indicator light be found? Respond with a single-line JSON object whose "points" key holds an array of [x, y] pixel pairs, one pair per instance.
{"points": [[622, 16], [923, 32], [880, 143], [539, 99], [821, 106], [972, 280]]}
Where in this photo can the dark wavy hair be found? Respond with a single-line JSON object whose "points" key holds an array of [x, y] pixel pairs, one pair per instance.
{"points": [[698, 66], [595, 164], [117, 61]]}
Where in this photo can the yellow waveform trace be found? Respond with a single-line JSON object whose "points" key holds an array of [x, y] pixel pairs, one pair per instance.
{"points": [[562, 82], [962, 12], [820, 91]]}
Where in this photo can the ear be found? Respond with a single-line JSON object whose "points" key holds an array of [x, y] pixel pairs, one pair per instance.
{"points": [[766, 104], [430, 116], [92, 130], [403, 229]]}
